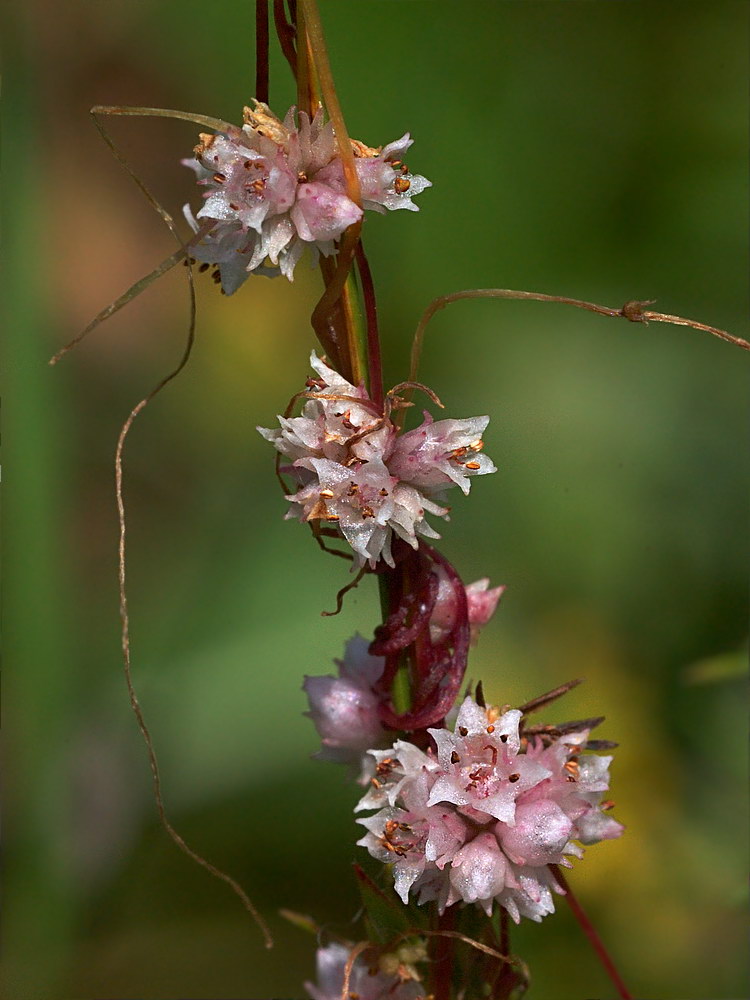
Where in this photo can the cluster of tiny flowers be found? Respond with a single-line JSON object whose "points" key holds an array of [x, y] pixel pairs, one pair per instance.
{"points": [[482, 818], [355, 472], [364, 983], [274, 188]]}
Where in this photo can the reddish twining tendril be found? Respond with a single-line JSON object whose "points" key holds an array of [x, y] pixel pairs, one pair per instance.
{"points": [[437, 667]]}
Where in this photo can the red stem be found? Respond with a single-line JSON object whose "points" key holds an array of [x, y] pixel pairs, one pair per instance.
{"points": [[591, 934], [373, 336], [286, 34], [442, 956], [261, 51]]}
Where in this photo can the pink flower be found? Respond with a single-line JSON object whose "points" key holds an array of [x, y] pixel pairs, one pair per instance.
{"points": [[385, 182], [350, 473], [344, 709], [438, 454], [481, 602], [364, 983], [480, 818], [273, 188]]}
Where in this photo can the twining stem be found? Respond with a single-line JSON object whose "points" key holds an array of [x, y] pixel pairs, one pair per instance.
{"points": [[186, 116], [443, 955], [591, 934], [310, 32], [633, 311], [261, 50], [374, 364], [122, 521], [285, 31], [308, 94]]}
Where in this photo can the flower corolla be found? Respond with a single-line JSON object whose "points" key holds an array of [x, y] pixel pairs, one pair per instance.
{"points": [[480, 817], [344, 709], [275, 187], [354, 473], [481, 604], [364, 983]]}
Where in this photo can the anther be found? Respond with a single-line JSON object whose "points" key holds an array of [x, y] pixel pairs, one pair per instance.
{"points": [[477, 445], [504, 738], [455, 759], [332, 517], [401, 184], [326, 494], [490, 729], [513, 777], [203, 268], [473, 466], [607, 804], [368, 512], [353, 488], [219, 178], [463, 730], [383, 493]]}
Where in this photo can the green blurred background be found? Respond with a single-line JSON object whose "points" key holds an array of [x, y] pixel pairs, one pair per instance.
{"points": [[596, 150]]}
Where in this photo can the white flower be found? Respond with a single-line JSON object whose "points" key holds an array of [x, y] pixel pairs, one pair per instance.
{"points": [[364, 983], [481, 818], [274, 188], [344, 709], [353, 474]]}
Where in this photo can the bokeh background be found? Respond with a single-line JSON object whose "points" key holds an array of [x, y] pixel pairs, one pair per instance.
{"points": [[597, 150]]}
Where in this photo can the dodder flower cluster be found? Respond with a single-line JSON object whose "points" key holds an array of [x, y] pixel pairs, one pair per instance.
{"points": [[482, 818], [274, 188], [357, 474]]}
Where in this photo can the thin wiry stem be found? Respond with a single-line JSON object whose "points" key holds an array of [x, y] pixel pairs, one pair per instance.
{"points": [[591, 934], [121, 550], [632, 311], [187, 116], [286, 35], [374, 363], [353, 956], [309, 20], [343, 592], [261, 50], [133, 292]]}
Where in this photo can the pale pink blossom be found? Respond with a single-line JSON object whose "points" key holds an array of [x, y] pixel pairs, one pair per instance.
{"points": [[364, 982], [438, 454], [350, 474], [273, 188], [344, 709], [480, 600], [385, 181], [480, 818]]}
